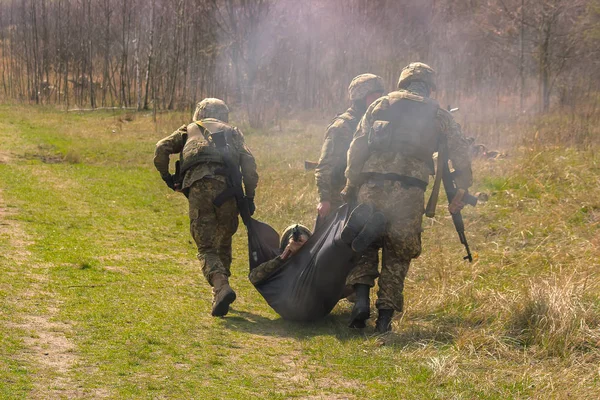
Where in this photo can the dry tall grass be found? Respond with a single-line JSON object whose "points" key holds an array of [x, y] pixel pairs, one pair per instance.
{"points": [[500, 127], [554, 316], [522, 321]]}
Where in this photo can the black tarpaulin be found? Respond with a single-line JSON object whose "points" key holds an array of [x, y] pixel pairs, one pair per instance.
{"points": [[310, 283]]}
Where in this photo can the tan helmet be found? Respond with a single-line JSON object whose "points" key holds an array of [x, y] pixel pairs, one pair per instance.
{"points": [[288, 232], [212, 108], [363, 85], [417, 71]]}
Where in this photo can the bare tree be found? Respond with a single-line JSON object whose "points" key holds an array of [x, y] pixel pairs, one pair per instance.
{"points": [[272, 57]]}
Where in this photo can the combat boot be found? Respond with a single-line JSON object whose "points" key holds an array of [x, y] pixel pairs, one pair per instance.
{"points": [[362, 307], [356, 222], [372, 230], [223, 295], [384, 321]]}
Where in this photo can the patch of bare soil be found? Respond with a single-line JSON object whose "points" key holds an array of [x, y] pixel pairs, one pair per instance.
{"points": [[47, 345], [44, 154], [10, 228], [4, 158], [297, 372], [53, 354], [294, 372]]}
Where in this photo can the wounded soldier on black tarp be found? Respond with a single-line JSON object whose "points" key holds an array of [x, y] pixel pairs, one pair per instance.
{"points": [[292, 240], [307, 279]]}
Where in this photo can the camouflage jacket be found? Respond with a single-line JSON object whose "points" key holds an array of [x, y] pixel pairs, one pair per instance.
{"points": [[174, 143], [265, 270], [361, 159], [329, 173]]}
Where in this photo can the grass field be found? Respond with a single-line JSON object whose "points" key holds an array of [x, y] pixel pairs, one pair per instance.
{"points": [[101, 295]]}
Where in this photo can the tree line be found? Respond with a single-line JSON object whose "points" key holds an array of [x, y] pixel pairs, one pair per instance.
{"points": [[271, 58]]}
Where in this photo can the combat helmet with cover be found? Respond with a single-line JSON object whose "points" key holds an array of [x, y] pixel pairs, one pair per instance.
{"points": [[417, 71], [212, 108], [363, 85], [289, 232], [210, 117]]}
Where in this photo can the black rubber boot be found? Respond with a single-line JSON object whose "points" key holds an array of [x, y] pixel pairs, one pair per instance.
{"points": [[384, 321], [362, 307], [373, 229], [223, 295], [356, 222]]}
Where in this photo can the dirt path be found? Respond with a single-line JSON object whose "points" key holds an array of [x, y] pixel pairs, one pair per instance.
{"points": [[47, 345]]}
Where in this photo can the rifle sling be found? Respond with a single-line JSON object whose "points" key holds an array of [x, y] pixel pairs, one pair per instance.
{"points": [[225, 195], [178, 173], [231, 191], [435, 193]]}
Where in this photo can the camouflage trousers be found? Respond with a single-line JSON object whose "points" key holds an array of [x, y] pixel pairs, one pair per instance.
{"points": [[403, 208], [366, 270], [212, 227]]}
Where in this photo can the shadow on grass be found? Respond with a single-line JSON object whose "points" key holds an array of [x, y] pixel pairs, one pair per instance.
{"points": [[414, 331], [332, 324], [407, 335], [417, 336]]}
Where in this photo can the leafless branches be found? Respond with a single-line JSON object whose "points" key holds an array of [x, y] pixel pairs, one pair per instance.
{"points": [[271, 57]]}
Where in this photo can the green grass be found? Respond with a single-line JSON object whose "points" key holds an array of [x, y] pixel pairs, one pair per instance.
{"points": [[102, 295]]}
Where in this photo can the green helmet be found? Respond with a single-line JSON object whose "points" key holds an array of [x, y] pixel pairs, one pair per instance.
{"points": [[417, 71], [289, 231], [212, 108], [363, 85]]}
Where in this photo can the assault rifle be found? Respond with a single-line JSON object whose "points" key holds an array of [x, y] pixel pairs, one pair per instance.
{"points": [[233, 175], [455, 196]]}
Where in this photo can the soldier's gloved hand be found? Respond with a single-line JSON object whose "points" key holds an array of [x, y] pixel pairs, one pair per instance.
{"points": [[349, 193], [457, 203], [168, 178], [251, 205]]}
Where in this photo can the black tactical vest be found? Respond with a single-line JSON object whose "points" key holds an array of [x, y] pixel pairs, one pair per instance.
{"points": [[412, 129]]}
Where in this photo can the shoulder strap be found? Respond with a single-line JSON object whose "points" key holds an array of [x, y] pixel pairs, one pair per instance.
{"points": [[208, 128], [178, 178], [346, 117], [442, 158], [206, 132], [403, 94], [184, 137]]}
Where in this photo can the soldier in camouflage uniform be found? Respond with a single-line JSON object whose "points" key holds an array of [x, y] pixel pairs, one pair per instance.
{"points": [[201, 180], [389, 164], [329, 174]]}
